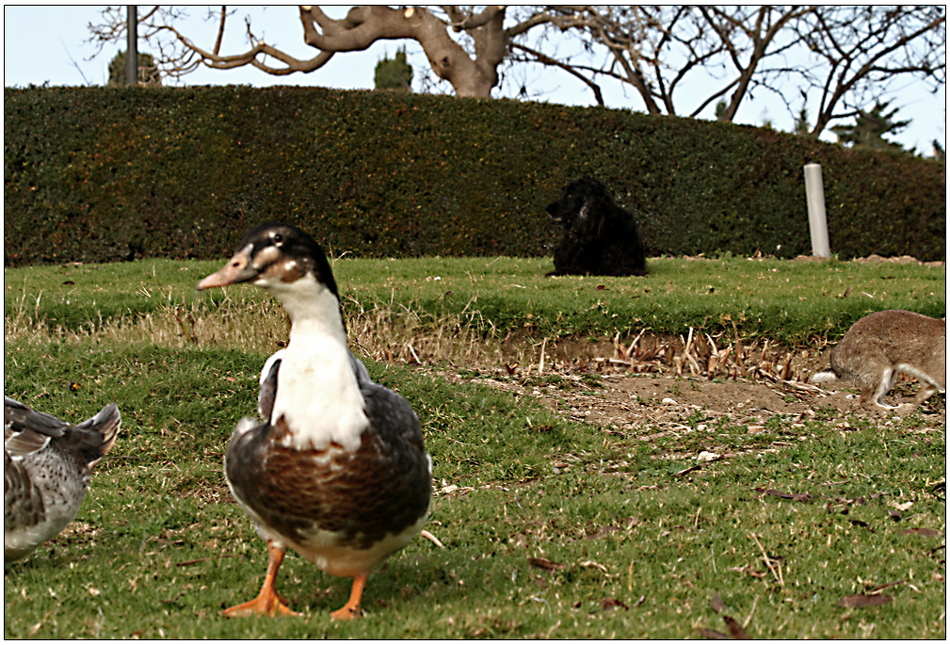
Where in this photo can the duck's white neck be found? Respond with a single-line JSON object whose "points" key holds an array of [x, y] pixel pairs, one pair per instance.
{"points": [[317, 390], [310, 305]]}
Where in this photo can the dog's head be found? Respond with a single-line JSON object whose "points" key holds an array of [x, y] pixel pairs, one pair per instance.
{"points": [[576, 205]]}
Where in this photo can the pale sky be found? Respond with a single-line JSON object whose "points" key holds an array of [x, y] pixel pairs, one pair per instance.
{"points": [[47, 44]]}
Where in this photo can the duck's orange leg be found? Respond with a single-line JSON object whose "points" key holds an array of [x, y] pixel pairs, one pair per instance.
{"points": [[268, 601], [352, 607]]}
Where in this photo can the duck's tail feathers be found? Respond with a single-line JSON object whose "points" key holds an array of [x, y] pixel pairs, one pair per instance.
{"points": [[824, 376], [96, 435]]}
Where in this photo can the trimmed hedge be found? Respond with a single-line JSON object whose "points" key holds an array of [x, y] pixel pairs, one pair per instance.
{"points": [[102, 174]]}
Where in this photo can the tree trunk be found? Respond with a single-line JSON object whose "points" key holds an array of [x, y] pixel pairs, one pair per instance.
{"points": [[367, 24]]}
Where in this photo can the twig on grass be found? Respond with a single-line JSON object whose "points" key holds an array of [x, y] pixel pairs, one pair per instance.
{"points": [[544, 343], [212, 557], [768, 562], [755, 601], [432, 539], [690, 469]]}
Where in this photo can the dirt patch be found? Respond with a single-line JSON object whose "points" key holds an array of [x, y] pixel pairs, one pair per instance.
{"points": [[659, 386], [903, 259]]}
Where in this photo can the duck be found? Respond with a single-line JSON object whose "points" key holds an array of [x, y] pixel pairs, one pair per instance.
{"points": [[47, 467], [335, 468]]}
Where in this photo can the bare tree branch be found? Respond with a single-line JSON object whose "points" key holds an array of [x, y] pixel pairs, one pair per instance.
{"points": [[470, 65], [863, 48], [845, 56], [544, 59], [217, 43], [841, 58]]}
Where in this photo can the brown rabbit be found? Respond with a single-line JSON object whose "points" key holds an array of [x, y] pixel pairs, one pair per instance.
{"points": [[884, 343]]}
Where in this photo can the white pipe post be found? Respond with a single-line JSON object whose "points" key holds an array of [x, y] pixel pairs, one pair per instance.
{"points": [[817, 222]]}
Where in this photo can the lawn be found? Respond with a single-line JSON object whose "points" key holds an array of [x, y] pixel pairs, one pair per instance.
{"points": [[550, 527]]}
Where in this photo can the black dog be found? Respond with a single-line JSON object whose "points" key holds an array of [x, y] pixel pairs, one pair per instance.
{"points": [[600, 238]]}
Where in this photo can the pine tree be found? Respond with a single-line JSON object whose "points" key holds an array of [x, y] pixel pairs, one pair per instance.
{"points": [[939, 153], [801, 122], [394, 73], [869, 129]]}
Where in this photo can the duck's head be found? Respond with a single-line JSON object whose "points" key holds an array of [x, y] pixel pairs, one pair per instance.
{"points": [[281, 259]]}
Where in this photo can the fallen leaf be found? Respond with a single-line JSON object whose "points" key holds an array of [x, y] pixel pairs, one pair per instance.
{"points": [[797, 497], [547, 565], [735, 628], [922, 532], [864, 600], [610, 603], [717, 604]]}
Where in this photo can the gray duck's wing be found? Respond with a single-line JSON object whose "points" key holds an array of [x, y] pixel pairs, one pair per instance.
{"points": [[93, 438], [27, 431]]}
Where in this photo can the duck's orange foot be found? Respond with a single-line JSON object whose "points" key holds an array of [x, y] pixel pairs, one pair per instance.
{"points": [[268, 601], [264, 605], [346, 612], [351, 609]]}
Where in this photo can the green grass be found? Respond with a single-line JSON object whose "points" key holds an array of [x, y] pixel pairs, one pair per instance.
{"points": [[638, 549], [793, 302]]}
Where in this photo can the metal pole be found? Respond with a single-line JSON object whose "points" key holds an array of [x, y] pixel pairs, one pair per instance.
{"points": [[132, 50], [817, 221]]}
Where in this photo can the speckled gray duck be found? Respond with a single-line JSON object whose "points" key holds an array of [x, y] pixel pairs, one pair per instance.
{"points": [[337, 470], [47, 466]]}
